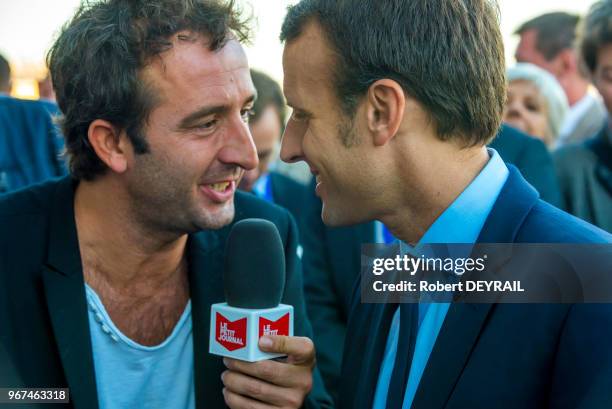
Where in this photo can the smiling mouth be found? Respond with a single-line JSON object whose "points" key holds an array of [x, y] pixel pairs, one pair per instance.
{"points": [[219, 187]]}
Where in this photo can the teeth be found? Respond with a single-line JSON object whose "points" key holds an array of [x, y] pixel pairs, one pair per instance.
{"points": [[219, 187]]}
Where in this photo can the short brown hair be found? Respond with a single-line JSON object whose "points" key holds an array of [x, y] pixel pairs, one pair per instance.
{"points": [[555, 32], [447, 54]]}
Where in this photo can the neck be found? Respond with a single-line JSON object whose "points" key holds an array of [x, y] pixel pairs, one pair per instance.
{"points": [[436, 178], [116, 247]]}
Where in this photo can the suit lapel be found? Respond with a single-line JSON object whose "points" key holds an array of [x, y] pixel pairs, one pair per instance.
{"points": [[464, 322], [206, 287], [65, 296]]}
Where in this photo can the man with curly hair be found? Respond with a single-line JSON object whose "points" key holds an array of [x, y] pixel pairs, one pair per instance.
{"points": [[107, 277]]}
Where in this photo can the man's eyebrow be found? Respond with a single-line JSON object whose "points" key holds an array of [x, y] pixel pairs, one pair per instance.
{"points": [[189, 120], [297, 107]]}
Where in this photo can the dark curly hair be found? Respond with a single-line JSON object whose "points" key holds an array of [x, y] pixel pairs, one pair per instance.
{"points": [[96, 61]]}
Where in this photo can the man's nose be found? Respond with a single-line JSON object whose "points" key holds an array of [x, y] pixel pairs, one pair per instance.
{"points": [[291, 142], [239, 147]]}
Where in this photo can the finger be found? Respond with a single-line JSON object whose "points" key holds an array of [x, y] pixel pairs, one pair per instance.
{"points": [[277, 373], [235, 401], [259, 390], [300, 350]]}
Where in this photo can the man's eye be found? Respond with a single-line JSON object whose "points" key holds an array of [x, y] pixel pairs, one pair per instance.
{"points": [[299, 116], [208, 124], [246, 114]]}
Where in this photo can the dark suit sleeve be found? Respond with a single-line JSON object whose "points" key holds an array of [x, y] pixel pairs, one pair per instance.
{"points": [[294, 295], [582, 376], [324, 304], [537, 167]]}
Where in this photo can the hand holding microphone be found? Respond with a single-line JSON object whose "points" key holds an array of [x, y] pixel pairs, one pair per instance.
{"points": [[266, 384], [253, 327]]}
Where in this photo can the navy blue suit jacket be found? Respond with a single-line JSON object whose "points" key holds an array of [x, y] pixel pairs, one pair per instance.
{"points": [[30, 144], [493, 356]]}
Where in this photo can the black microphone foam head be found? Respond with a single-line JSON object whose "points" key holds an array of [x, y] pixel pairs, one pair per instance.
{"points": [[254, 265]]}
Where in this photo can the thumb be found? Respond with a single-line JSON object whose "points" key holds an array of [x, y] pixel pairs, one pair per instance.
{"points": [[299, 350]]}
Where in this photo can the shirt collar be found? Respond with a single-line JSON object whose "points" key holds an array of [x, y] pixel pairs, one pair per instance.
{"points": [[463, 220], [575, 113]]}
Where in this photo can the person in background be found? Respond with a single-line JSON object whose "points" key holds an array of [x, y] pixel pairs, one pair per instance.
{"points": [[267, 122], [585, 169], [5, 76], [548, 42], [536, 102], [30, 143]]}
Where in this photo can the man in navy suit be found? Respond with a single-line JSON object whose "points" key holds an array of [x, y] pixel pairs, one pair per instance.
{"points": [[332, 255], [393, 106]]}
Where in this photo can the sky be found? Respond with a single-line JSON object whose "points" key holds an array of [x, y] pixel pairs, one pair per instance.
{"points": [[28, 28]]}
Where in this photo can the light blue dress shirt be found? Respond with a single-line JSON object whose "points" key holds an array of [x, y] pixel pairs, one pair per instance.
{"points": [[461, 222]]}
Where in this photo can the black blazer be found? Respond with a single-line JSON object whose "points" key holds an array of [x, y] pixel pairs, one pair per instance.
{"points": [[499, 356], [44, 329]]}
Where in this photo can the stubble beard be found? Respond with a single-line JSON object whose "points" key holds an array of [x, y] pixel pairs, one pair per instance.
{"points": [[164, 201], [340, 213]]}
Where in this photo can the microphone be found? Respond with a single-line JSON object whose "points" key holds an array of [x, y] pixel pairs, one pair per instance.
{"points": [[254, 280]]}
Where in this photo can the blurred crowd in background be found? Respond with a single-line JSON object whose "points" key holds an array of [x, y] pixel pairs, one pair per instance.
{"points": [[556, 131]]}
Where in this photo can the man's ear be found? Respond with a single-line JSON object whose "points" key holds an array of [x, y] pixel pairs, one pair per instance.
{"points": [[568, 61], [385, 110], [109, 144]]}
